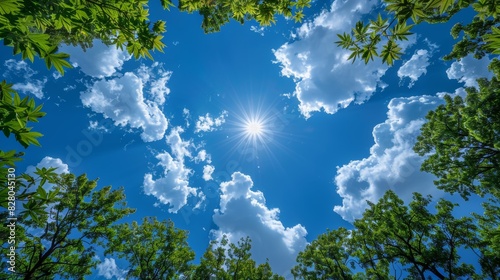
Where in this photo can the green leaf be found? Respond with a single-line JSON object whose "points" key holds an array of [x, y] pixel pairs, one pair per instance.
{"points": [[493, 40], [41, 41], [401, 31], [27, 138], [10, 6], [58, 60], [445, 4], [41, 192], [158, 44], [390, 52]]}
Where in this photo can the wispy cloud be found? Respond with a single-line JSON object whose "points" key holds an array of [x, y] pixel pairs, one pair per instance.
{"points": [[108, 269], [208, 123], [21, 71], [259, 30]]}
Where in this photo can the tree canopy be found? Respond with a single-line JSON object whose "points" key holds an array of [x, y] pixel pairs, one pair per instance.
{"points": [[38, 27], [153, 249], [224, 260], [219, 12], [62, 239], [463, 140], [393, 240]]}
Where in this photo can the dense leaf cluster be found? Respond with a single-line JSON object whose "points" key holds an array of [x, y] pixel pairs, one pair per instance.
{"points": [[38, 27], [61, 236], [218, 12], [393, 240], [463, 137], [479, 37], [225, 261]]}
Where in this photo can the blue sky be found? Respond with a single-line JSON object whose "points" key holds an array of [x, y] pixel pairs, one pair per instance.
{"points": [[174, 133]]}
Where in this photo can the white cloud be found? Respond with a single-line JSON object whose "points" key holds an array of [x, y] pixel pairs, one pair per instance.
{"points": [[19, 67], [56, 75], [49, 162], [207, 123], [186, 114], [34, 87], [243, 212], [173, 186], [135, 99], [179, 147], [108, 269], [468, 70], [258, 30], [203, 156], [325, 79], [208, 170], [415, 67], [21, 71], [392, 163], [98, 61]]}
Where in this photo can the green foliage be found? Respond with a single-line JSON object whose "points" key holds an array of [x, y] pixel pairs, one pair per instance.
{"points": [[463, 139], [489, 230], [393, 239], [480, 37], [59, 239], [15, 113], [218, 12], [154, 249], [327, 257], [224, 261], [422, 242], [36, 28]]}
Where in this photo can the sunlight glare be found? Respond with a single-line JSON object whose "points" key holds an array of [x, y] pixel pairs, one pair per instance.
{"points": [[254, 128]]}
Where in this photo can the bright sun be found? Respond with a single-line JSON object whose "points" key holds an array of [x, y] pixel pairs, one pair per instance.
{"points": [[254, 128]]}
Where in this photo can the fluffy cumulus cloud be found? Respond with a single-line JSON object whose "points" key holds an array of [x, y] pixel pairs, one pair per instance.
{"points": [[172, 187], [415, 67], [134, 99], [109, 270], [208, 123], [392, 163], [99, 61], [49, 162], [243, 212], [468, 70], [20, 71], [203, 156], [325, 79], [208, 170], [46, 162]]}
